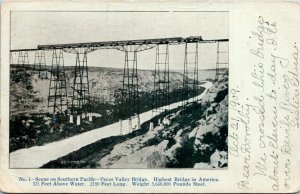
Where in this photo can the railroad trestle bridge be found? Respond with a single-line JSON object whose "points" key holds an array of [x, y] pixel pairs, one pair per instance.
{"points": [[129, 106]]}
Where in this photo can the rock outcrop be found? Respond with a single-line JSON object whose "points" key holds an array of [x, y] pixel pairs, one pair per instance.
{"points": [[193, 137]]}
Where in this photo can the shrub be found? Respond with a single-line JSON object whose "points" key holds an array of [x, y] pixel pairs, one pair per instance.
{"points": [[221, 95]]}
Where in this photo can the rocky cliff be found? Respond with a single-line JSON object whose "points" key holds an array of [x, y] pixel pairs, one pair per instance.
{"points": [[192, 137], [29, 93]]}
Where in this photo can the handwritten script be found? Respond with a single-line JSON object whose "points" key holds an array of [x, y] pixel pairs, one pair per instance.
{"points": [[264, 121]]}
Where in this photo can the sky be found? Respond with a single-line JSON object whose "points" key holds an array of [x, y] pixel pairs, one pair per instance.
{"points": [[29, 29]]}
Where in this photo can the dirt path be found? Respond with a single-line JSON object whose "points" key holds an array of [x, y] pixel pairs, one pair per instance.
{"points": [[37, 156]]}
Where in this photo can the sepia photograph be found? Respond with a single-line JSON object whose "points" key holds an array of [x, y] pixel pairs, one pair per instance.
{"points": [[149, 96], [119, 89]]}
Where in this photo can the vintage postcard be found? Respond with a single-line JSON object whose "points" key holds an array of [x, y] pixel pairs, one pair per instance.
{"points": [[148, 97]]}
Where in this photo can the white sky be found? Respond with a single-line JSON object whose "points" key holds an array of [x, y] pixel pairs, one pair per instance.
{"points": [[29, 29]]}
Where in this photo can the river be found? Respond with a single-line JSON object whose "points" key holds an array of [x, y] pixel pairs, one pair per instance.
{"points": [[37, 156]]}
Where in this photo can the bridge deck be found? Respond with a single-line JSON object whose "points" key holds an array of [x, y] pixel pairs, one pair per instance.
{"points": [[174, 40]]}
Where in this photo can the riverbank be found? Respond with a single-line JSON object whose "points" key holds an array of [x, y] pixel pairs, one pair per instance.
{"points": [[37, 156], [194, 136]]}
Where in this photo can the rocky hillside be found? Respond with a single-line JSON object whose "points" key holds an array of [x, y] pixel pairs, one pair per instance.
{"points": [[194, 136], [29, 93]]}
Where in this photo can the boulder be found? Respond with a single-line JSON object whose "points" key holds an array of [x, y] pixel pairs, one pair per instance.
{"points": [[218, 159], [202, 165]]}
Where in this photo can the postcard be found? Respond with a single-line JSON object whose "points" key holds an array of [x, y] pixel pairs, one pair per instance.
{"points": [[150, 97]]}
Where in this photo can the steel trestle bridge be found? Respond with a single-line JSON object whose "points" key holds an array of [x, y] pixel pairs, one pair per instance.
{"points": [[129, 106]]}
